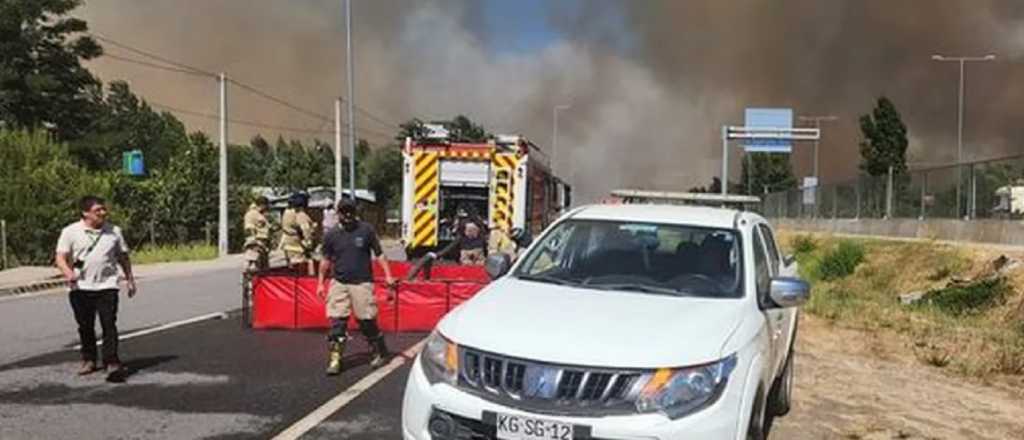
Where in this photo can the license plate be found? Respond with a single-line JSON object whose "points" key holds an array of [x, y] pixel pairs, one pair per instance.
{"points": [[511, 427]]}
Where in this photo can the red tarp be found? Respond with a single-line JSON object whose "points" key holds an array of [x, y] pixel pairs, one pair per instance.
{"points": [[287, 301], [458, 293], [421, 304], [446, 272]]}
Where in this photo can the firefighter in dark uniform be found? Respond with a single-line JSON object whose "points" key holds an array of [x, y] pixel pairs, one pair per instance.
{"points": [[347, 249]]}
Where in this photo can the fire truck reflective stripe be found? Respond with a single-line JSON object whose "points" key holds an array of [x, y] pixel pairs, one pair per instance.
{"points": [[466, 154], [426, 184], [427, 236], [425, 191], [505, 166]]}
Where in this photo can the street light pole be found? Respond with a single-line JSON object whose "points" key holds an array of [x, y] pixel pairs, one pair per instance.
{"points": [[351, 102], [222, 209], [960, 118], [554, 134]]}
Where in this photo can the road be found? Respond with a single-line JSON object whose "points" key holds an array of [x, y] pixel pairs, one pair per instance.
{"points": [[215, 379]]}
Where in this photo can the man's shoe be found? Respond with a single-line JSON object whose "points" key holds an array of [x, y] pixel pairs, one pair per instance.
{"points": [[116, 373], [334, 361], [88, 367], [380, 355]]}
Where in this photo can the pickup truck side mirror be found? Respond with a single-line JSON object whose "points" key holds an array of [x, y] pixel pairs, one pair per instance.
{"points": [[497, 265], [790, 292]]}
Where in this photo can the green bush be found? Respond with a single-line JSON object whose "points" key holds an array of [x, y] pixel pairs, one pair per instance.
{"points": [[39, 188], [804, 244], [841, 261], [973, 297]]}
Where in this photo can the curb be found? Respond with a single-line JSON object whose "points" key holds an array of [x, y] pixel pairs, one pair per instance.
{"points": [[32, 287]]}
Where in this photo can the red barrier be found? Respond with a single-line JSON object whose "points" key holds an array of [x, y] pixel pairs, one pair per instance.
{"points": [[290, 302], [273, 302], [458, 293], [421, 304], [456, 273]]}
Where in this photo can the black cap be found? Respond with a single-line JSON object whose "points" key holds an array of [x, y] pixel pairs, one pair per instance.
{"points": [[346, 206]]}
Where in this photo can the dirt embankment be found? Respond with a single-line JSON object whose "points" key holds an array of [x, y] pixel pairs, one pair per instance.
{"points": [[855, 385], [869, 367]]}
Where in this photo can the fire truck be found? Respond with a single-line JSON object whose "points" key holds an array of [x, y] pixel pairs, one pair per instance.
{"points": [[505, 183]]}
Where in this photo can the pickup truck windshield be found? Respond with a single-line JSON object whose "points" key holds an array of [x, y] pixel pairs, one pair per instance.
{"points": [[646, 258]]}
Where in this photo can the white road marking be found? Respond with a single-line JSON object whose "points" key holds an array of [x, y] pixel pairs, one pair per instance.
{"points": [[345, 397], [162, 327]]}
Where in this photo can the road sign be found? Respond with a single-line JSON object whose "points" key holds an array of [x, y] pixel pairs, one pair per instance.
{"points": [[780, 118], [810, 188]]}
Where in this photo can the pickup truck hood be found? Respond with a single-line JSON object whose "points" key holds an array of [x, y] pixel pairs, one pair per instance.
{"points": [[596, 328]]}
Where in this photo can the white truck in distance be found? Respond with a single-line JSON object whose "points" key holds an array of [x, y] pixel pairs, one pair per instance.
{"points": [[620, 322]]}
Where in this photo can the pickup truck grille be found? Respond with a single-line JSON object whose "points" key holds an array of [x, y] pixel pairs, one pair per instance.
{"points": [[548, 388]]}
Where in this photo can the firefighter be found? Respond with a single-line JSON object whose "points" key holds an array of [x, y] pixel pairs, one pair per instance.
{"points": [[348, 249], [297, 234], [257, 236], [472, 245], [510, 244]]}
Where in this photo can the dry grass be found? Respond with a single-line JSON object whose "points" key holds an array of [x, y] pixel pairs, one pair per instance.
{"points": [[982, 342]]}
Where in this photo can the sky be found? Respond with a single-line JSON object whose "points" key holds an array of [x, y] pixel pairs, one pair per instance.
{"points": [[650, 82]]}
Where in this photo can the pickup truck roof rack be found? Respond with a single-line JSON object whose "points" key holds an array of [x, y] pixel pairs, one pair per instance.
{"points": [[635, 196]]}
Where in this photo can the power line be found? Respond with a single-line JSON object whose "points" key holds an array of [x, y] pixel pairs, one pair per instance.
{"points": [[373, 117], [255, 124], [153, 65], [280, 101], [237, 121], [152, 55], [187, 69]]}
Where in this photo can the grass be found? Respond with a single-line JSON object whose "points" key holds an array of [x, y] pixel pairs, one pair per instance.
{"points": [[169, 253], [971, 328]]}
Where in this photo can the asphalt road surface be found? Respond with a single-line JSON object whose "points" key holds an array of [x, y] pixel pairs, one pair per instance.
{"points": [[212, 378]]}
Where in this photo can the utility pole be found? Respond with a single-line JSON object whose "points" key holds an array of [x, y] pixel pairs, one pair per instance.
{"points": [[337, 150], [554, 134], [222, 219], [960, 119], [351, 100]]}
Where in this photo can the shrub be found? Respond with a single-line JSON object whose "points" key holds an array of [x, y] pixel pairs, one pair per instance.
{"points": [[979, 295], [804, 244], [841, 261]]}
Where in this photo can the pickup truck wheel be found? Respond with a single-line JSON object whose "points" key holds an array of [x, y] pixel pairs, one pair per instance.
{"points": [[757, 429], [780, 398]]}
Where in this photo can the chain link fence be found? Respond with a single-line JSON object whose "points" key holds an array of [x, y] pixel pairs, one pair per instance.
{"points": [[992, 189]]}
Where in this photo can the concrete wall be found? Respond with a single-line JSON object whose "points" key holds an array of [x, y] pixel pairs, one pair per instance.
{"points": [[1002, 232]]}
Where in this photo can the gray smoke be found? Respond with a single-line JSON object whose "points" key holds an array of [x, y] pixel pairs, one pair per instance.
{"points": [[650, 82]]}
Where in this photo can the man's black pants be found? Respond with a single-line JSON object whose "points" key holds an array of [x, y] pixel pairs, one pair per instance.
{"points": [[86, 305]]}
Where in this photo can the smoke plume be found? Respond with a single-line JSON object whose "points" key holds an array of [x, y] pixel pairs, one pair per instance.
{"points": [[650, 83]]}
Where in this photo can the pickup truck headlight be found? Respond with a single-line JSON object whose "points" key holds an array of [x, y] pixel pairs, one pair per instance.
{"points": [[683, 391], [440, 360]]}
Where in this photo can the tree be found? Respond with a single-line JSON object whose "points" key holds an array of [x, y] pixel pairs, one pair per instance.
{"points": [[414, 128], [39, 185], [460, 129], [767, 171], [125, 122], [885, 140], [42, 81], [383, 171]]}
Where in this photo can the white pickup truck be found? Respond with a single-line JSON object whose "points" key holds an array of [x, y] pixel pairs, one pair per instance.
{"points": [[620, 322]]}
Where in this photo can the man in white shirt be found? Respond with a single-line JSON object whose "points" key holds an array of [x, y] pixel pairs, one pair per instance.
{"points": [[89, 252]]}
